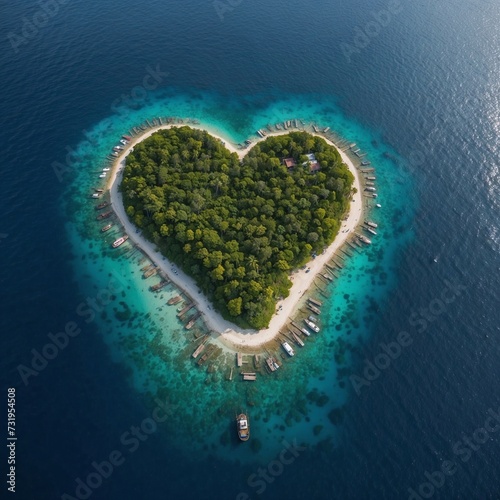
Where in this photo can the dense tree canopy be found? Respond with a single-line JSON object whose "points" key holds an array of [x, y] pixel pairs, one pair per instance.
{"points": [[237, 228]]}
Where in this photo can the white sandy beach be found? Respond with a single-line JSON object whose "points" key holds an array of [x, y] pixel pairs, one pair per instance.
{"points": [[231, 334]]}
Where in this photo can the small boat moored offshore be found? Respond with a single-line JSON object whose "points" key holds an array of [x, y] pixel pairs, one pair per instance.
{"points": [[311, 325], [174, 300], [105, 215], [106, 228], [120, 241], [288, 348], [243, 427], [272, 364]]}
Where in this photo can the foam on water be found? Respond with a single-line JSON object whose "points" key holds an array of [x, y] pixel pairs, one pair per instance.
{"points": [[304, 399]]}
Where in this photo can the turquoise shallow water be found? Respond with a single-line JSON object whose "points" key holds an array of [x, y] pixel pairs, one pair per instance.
{"points": [[305, 399]]}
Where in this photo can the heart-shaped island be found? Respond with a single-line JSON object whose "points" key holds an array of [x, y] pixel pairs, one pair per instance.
{"points": [[238, 224]]}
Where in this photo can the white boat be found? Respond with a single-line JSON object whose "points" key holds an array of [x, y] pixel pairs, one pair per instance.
{"points": [[120, 241], [288, 349], [102, 176], [106, 169], [370, 223], [311, 325], [124, 142], [96, 195], [378, 205], [305, 331], [272, 364]]}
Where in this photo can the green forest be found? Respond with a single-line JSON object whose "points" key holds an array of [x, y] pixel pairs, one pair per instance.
{"points": [[238, 228]]}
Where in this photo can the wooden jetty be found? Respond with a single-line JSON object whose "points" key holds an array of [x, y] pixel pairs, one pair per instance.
{"points": [[184, 310], [208, 352], [239, 359], [256, 360], [250, 376]]}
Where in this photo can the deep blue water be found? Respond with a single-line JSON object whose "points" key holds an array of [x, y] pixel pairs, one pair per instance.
{"points": [[426, 85]]}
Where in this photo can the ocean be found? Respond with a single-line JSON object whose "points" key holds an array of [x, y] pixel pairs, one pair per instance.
{"points": [[397, 396]]}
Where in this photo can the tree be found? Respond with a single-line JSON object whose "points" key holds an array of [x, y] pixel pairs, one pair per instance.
{"points": [[234, 306], [238, 228]]}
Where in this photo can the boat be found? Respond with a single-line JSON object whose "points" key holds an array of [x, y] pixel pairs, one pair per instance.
{"points": [[365, 163], [96, 195], [272, 364], [119, 241], [311, 325], [149, 273], [297, 339], [106, 169], [315, 302], [106, 228], [159, 286], [184, 310], [174, 300], [288, 349], [364, 239], [305, 331], [370, 223], [102, 205], [314, 319], [326, 130], [127, 137], [314, 309], [370, 230], [369, 188], [371, 177], [243, 427], [123, 141], [118, 148], [102, 176], [378, 205], [105, 215], [192, 321]]}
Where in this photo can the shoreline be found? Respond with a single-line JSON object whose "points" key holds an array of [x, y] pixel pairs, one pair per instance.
{"points": [[229, 333]]}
